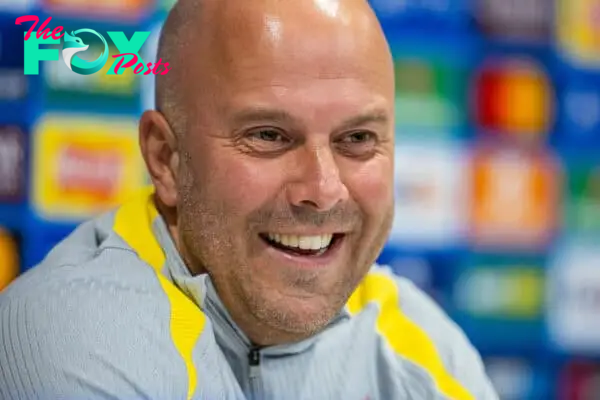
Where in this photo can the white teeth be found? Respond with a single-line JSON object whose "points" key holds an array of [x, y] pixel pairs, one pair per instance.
{"points": [[306, 242], [302, 242]]}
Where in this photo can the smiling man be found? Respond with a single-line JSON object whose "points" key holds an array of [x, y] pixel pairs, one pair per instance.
{"points": [[248, 271]]}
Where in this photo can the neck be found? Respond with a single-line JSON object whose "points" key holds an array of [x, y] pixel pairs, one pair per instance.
{"points": [[169, 215]]}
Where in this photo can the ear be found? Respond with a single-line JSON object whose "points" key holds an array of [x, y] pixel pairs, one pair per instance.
{"points": [[158, 144]]}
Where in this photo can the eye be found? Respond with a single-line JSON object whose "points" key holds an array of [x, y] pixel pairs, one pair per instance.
{"points": [[266, 140], [358, 137], [267, 134], [358, 143]]}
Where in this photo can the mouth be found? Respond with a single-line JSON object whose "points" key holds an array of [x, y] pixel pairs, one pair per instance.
{"points": [[304, 246]]}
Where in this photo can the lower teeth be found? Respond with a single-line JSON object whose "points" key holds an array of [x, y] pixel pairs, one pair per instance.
{"points": [[320, 252]]}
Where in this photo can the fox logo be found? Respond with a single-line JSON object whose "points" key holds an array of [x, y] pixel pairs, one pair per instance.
{"points": [[128, 50], [73, 45]]}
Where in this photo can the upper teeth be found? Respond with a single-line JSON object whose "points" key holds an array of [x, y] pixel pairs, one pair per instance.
{"points": [[302, 242]]}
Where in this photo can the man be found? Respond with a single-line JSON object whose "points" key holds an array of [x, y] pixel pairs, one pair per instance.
{"points": [[248, 272]]}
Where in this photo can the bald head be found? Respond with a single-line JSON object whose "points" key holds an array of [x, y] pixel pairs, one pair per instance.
{"points": [[283, 113], [208, 43]]}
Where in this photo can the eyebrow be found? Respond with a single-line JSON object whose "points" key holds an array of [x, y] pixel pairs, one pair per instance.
{"points": [[377, 116], [260, 114]]}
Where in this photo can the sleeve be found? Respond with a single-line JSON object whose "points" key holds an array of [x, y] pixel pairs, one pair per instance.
{"points": [[84, 340], [458, 354]]}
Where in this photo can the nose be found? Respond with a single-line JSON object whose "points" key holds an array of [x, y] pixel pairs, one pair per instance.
{"points": [[317, 182]]}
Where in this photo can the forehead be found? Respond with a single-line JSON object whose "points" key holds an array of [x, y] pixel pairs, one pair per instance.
{"points": [[286, 51], [311, 102], [273, 61]]}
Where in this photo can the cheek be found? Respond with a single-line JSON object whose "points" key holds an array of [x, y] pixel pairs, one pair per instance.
{"points": [[372, 186], [240, 184]]}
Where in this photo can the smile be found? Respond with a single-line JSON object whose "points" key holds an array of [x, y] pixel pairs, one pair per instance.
{"points": [[302, 245]]}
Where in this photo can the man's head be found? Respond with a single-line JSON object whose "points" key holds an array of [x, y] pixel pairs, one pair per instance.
{"points": [[272, 153]]}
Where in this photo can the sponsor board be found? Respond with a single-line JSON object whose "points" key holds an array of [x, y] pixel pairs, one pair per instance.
{"points": [[14, 86], [430, 96], [12, 164], [573, 297], [511, 377], [510, 291], [513, 98], [431, 186], [9, 259], [84, 166], [578, 32], [17, 5], [515, 198], [582, 203], [515, 20], [580, 128], [110, 9], [579, 380]]}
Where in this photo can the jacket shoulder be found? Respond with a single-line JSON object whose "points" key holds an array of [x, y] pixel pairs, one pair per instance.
{"points": [[85, 330], [102, 273], [419, 331]]}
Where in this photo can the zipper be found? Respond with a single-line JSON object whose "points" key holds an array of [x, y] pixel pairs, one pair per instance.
{"points": [[235, 338], [254, 374]]}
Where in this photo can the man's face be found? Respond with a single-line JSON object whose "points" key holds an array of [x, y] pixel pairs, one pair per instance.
{"points": [[286, 189]]}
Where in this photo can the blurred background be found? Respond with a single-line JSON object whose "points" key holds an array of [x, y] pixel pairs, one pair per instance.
{"points": [[498, 165]]}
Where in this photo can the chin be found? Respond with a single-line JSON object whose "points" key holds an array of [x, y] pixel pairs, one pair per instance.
{"points": [[299, 315]]}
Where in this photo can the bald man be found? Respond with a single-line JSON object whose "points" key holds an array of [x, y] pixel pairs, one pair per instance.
{"points": [[248, 271]]}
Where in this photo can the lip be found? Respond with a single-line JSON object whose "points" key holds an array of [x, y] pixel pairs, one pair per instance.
{"points": [[306, 233], [321, 261]]}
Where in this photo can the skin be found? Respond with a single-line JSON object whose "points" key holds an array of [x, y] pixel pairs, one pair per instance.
{"points": [[286, 130]]}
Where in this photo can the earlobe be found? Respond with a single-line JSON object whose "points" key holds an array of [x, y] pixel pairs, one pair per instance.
{"points": [[158, 145]]}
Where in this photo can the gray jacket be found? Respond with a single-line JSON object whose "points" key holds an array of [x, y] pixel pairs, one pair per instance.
{"points": [[113, 313]]}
